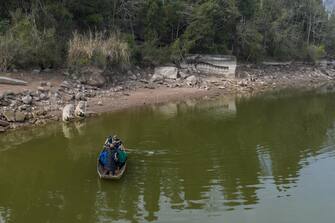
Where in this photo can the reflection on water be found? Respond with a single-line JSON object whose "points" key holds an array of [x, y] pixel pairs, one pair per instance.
{"points": [[224, 160]]}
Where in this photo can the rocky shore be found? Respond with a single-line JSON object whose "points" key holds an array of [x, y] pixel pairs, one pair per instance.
{"points": [[62, 95]]}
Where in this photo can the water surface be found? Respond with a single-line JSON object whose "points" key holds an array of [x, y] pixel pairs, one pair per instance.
{"points": [[264, 159]]}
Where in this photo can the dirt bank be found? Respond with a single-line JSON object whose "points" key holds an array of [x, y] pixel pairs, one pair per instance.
{"points": [[46, 93]]}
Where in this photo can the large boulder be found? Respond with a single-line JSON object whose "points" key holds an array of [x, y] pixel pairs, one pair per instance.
{"points": [[92, 76], [80, 110], [167, 72], [68, 113]]}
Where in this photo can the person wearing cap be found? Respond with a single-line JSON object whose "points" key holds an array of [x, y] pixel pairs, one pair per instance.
{"points": [[108, 155], [121, 155]]}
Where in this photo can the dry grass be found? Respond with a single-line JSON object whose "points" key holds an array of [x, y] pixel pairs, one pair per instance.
{"points": [[97, 49], [6, 52]]}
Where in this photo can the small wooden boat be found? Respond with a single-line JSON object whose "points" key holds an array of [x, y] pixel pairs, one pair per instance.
{"points": [[103, 173], [117, 176]]}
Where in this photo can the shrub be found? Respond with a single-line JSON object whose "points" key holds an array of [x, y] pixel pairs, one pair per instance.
{"points": [[3, 25], [315, 53], [97, 49], [153, 54], [8, 50], [249, 42], [177, 52], [24, 45]]}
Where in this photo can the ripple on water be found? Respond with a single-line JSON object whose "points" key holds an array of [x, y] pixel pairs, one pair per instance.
{"points": [[5, 214]]}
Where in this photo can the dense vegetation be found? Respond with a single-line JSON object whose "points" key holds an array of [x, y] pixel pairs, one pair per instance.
{"points": [[45, 33]]}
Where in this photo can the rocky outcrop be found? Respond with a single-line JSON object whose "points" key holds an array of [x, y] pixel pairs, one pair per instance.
{"points": [[221, 65]]}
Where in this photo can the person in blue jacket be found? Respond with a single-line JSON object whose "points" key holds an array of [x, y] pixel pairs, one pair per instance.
{"points": [[107, 156]]}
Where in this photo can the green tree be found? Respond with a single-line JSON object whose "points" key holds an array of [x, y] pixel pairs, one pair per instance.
{"points": [[212, 27]]}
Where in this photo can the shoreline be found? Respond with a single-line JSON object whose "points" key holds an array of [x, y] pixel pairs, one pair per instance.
{"points": [[58, 91]]}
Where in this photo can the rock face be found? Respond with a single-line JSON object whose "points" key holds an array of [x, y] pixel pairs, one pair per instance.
{"points": [[166, 72], [92, 76], [68, 113], [80, 110], [222, 65]]}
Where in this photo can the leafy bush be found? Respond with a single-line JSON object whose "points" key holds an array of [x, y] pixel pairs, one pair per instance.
{"points": [[3, 25], [98, 50], [250, 42], [153, 54], [315, 53], [8, 50], [24, 45]]}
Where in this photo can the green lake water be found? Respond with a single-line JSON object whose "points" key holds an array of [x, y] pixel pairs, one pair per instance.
{"points": [[268, 158]]}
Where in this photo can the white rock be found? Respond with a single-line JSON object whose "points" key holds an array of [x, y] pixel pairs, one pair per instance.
{"points": [[156, 77], [167, 72], [133, 77], [68, 113], [36, 71], [80, 110], [183, 75], [43, 96], [65, 84], [27, 99], [191, 80]]}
